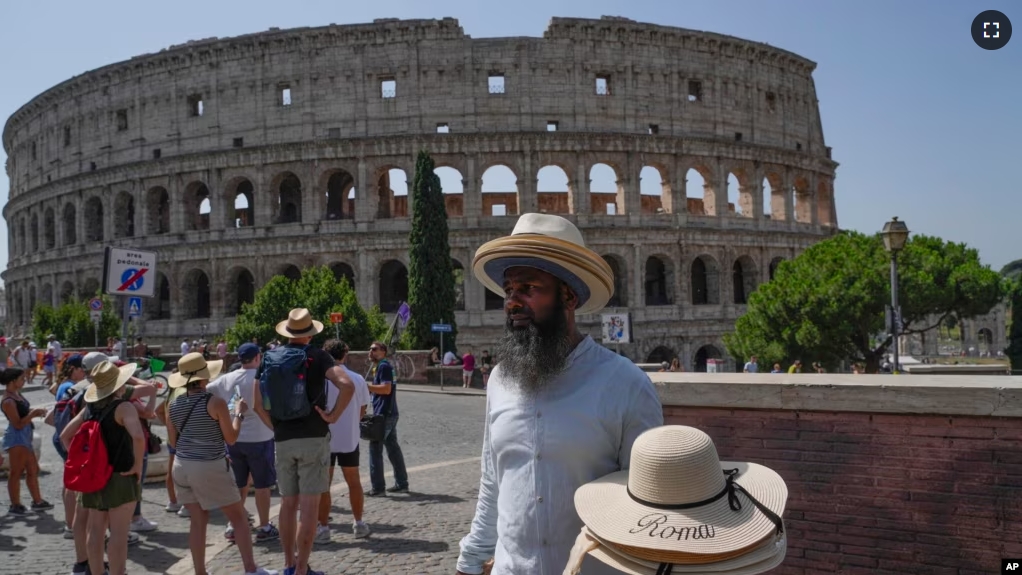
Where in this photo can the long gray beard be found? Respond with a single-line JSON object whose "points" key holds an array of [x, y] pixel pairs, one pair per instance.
{"points": [[532, 356]]}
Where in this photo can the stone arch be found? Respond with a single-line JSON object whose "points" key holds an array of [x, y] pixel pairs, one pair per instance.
{"points": [[241, 199], [498, 199], [34, 233], [700, 194], [391, 193], [343, 271], [67, 292], [984, 340], [825, 202], [241, 290], [774, 264], [197, 206], [93, 219], [46, 294], [606, 190], [393, 285], [660, 354], [743, 279], [452, 184], [124, 215], [158, 210], [553, 190], [775, 199], [196, 294], [620, 270], [90, 288], [70, 221], [49, 229], [291, 272], [459, 284], [739, 193], [801, 194], [703, 354], [705, 280], [288, 188], [658, 280], [158, 307], [655, 189], [340, 194], [31, 302]]}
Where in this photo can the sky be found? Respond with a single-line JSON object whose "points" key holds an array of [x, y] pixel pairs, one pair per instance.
{"points": [[923, 123]]}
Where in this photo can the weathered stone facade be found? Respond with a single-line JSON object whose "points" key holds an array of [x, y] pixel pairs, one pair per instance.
{"points": [[307, 125]]}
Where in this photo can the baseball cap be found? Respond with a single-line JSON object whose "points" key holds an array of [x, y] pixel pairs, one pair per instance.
{"points": [[75, 360], [94, 358], [247, 351]]}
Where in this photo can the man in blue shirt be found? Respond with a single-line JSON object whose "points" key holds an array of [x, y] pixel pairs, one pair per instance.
{"points": [[384, 392]]}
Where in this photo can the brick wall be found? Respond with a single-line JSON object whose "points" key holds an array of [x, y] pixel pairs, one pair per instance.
{"points": [[883, 493]]}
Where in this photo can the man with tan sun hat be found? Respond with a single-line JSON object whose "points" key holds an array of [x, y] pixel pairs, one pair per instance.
{"points": [[301, 429], [679, 509], [561, 409]]}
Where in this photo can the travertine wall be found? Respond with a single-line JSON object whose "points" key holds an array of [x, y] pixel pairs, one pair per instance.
{"points": [[307, 126], [886, 474]]}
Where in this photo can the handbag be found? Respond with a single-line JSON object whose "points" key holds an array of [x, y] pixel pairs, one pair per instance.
{"points": [[153, 441], [371, 427]]}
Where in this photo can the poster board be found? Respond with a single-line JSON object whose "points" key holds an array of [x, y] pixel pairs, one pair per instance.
{"points": [[617, 328]]}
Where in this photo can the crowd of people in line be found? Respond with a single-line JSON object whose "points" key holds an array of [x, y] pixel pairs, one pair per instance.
{"points": [[229, 432]]}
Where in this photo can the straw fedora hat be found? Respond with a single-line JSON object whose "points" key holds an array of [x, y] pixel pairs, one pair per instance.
{"points": [[107, 378], [194, 367], [679, 504], [551, 244], [299, 323]]}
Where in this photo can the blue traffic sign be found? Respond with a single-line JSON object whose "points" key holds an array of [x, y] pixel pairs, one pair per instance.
{"points": [[441, 327], [134, 307], [96, 304], [132, 279]]}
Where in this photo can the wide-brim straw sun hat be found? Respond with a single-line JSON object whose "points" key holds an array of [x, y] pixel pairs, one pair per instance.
{"points": [[107, 378], [194, 367], [769, 554], [551, 244], [679, 504], [299, 323]]}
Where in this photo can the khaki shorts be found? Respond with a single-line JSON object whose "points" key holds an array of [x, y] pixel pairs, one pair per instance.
{"points": [[303, 466], [208, 483]]}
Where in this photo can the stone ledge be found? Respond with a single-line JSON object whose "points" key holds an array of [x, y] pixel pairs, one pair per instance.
{"points": [[999, 396]]}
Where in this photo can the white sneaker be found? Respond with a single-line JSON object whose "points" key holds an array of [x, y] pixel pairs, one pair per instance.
{"points": [[183, 512], [322, 534], [360, 529], [69, 533], [142, 525], [173, 507], [261, 571]]}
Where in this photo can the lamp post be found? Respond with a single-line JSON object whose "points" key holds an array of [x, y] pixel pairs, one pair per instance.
{"points": [[895, 235]]}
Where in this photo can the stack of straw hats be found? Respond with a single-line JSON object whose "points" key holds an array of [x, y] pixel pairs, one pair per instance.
{"points": [[679, 509]]}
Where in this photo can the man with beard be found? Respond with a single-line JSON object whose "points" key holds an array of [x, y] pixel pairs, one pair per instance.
{"points": [[561, 410]]}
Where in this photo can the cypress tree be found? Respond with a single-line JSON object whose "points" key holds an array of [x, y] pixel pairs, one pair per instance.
{"points": [[431, 293], [1014, 351]]}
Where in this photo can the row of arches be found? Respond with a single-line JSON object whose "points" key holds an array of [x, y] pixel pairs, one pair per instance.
{"points": [[700, 359], [199, 298], [556, 188]]}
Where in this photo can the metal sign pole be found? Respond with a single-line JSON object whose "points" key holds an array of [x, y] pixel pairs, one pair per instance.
{"points": [[124, 327], [441, 361], [95, 330]]}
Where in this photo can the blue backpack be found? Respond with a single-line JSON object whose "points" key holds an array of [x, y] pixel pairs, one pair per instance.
{"points": [[66, 409], [283, 383]]}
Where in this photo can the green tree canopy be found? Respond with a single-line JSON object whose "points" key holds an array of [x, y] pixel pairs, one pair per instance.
{"points": [[72, 323], [319, 292], [1013, 270], [828, 303], [431, 293]]}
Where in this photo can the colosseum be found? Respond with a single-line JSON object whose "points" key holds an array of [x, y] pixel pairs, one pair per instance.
{"points": [[693, 162]]}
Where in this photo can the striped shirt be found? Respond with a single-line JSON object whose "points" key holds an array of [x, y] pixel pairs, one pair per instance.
{"points": [[202, 439]]}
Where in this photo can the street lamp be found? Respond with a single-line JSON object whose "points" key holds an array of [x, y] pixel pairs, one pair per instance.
{"points": [[895, 235]]}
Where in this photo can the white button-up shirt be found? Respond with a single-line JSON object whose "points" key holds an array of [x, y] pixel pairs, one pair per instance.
{"points": [[537, 450]]}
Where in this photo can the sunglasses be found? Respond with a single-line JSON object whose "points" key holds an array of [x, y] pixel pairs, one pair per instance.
{"points": [[374, 349]]}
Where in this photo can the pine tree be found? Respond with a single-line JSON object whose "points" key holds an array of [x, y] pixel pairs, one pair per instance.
{"points": [[431, 293]]}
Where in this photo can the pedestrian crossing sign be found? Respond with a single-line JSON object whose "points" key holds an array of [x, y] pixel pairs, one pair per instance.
{"points": [[135, 307]]}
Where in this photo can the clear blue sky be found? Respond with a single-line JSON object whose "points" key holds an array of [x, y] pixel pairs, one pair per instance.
{"points": [[925, 124]]}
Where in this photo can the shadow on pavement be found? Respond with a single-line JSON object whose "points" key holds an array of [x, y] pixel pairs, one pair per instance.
{"points": [[423, 498]]}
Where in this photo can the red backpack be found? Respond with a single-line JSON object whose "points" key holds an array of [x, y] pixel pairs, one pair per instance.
{"points": [[88, 469]]}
